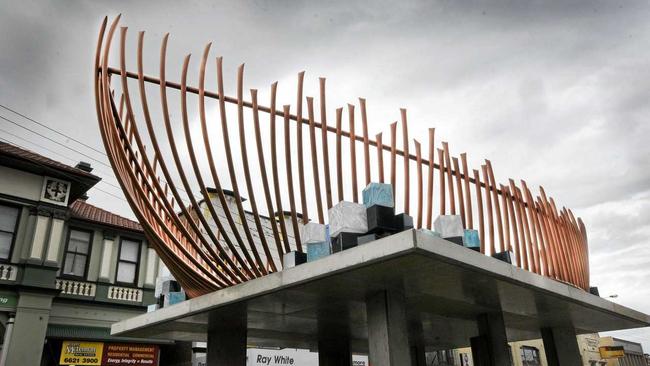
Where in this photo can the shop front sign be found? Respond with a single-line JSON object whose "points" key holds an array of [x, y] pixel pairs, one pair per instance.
{"points": [[78, 353]]}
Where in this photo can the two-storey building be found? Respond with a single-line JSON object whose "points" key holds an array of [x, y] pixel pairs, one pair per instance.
{"points": [[68, 269]]}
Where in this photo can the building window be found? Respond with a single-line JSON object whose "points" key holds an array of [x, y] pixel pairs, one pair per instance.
{"points": [[530, 356], [76, 253], [8, 225], [128, 261]]}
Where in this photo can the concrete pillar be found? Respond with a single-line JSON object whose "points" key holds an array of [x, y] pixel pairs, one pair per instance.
{"points": [[561, 346], [30, 325], [150, 274], [334, 338], [388, 340], [108, 247], [418, 357], [39, 236], [7, 338], [492, 347], [55, 239], [227, 329]]}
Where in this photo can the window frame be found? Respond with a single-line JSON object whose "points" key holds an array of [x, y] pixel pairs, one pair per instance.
{"points": [[137, 263], [65, 253], [535, 353], [14, 233]]}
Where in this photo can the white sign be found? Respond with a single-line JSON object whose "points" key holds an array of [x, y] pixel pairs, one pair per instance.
{"points": [[284, 357]]}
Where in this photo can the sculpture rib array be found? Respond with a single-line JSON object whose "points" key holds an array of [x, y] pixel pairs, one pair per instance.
{"points": [[221, 245]]}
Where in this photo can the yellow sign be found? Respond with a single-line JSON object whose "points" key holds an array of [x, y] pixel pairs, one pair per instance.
{"points": [[611, 351], [81, 353]]}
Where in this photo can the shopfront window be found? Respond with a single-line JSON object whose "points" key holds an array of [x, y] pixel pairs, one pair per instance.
{"points": [[530, 356], [128, 261], [8, 225], [76, 253]]}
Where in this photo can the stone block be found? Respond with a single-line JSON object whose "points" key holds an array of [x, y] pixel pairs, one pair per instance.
{"points": [[455, 239], [403, 222], [430, 233], [173, 297], [313, 233], [378, 194], [348, 217], [152, 307], [363, 239], [503, 256], [449, 226], [381, 219], [471, 239], [317, 250], [344, 241], [594, 291], [293, 259]]}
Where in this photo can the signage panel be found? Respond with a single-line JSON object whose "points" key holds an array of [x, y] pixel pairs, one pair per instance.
{"points": [[612, 352], [81, 353]]}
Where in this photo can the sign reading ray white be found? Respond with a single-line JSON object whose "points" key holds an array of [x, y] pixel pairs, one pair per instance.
{"points": [[290, 357]]}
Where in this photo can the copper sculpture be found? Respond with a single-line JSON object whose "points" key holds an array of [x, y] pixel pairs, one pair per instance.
{"points": [[225, 244]]}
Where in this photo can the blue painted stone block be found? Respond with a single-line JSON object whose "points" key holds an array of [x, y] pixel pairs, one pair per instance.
{"points": [[174, 297], [378, 194], [317, 250], [471, 239]]}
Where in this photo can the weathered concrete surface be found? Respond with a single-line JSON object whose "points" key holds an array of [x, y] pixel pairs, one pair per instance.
{"points": [[446, 288]]}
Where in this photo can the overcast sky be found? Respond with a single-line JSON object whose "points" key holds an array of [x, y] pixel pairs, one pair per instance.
{"points": [[556, 93]]}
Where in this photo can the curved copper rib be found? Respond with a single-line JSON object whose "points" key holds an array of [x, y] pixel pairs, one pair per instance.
{"points": [[265, 181], [441, 163], [276, 179], [380, 157], [479, 205], [353, 154], [432, 137], [366, 142], [495, 200], [314, 160], [287, 157], [247, 174], [231, 166], [459, 189], [339, 164], [488, 206], [450, 181], [549, 241], [468, 208], [326, 157], [407, 182], [299, 140], [418, 153]]}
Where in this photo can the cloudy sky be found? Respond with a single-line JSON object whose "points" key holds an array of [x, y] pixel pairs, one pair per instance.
{"points": [[556, 93]]}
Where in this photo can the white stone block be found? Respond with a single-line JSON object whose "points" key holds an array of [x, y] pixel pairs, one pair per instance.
{"points": [[312, 233], [349, 217], [449, 226]]}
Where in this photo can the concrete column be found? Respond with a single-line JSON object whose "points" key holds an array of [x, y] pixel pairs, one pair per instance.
{"points": [[388, 341], [561, 346], [108, 246], [334, 338], [28, 335], [493, 331], [55, 239], [227, 329], [7, 338], [39, 236], [418, 357], [150, 274]]}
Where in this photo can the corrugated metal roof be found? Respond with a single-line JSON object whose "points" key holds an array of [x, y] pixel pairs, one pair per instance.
{"points": [[85, 211]]}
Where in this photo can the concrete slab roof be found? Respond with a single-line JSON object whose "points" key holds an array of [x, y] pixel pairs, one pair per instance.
{"points": [[445, 285]]}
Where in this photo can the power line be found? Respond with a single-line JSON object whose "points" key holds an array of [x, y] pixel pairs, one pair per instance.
{"points": [[69, 176], [61, 134], [104, 175], [53, 130], [56, 142]]}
